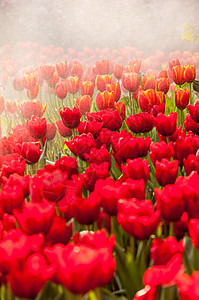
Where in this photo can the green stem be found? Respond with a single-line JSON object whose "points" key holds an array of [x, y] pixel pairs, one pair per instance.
{"points": [[159, 231], [130, 103], [92, 295], [191, 102], [171, 229], [196, 258], [143, 266], [181, 117], [132, 246], [188, 264], [158, 293], [98, 293], [3, 292]]}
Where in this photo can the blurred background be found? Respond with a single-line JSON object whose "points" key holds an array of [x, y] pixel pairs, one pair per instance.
{"points": [[148, 25]]}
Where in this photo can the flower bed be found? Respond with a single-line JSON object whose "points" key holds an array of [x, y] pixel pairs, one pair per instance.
{"points": [[99, 176]]}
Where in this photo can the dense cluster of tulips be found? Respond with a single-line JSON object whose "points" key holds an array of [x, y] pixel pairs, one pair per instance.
{"points": [[99, 182]]}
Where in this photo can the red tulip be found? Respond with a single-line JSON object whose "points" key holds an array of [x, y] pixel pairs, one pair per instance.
{"points": [[133, 66], [47, 72], [63, 130], [194, 111], [188, 285], [53, 184], [109, 192], [167, 257], [97, 271], [120, 106], [75, 68], [170, 202], [11, 197], [146, 99], [93, 173], [127, 146], [70, 118], [118, 70], [30, 151], [191, 125], [12, 163], [98, 156], [35, 218], [182, 148], [18, 84], [29, 277], [166, 172], [67, 165], [138, 218], [190, 73], [59, 232], [86, 210], [53, 80], [37, 127], [189, 188], [159, 98], [29, 80], [178, 74], [136, 169], [32, 108], [191, 163], [111, 119], [32, 94], [166, 125], [51, 132], [102, 67], [92, 127], [101, 81], [172, 63], [193, 232], [131, 188], [82, 144], [114, 87], [140, 123], [61, 90]]}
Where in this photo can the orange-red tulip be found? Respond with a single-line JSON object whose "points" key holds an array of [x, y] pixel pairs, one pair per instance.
{"points": [[182, 98], [130, 81], [105, 100], [83, 104], [87, 88], [62, 69], [73, 84], [29, 81]]}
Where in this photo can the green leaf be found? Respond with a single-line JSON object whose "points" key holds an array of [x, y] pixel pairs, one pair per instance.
{"points": [[196, 85], [49, 291], [170, 104], [116, 172], [128, 272]]}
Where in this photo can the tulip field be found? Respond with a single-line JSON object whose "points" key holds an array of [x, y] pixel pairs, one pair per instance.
{"points": [[99, 174]]}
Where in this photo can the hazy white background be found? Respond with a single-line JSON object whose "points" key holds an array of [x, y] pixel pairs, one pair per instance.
{"points": [[146, 24]]}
